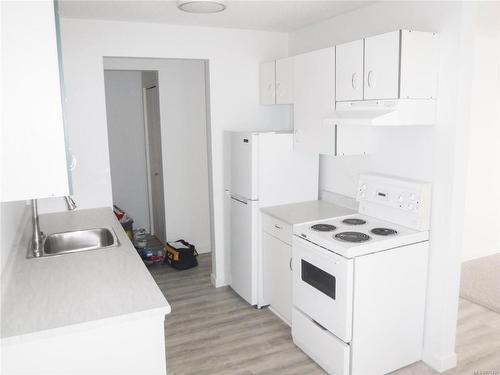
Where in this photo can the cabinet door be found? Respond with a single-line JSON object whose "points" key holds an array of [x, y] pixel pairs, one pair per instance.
{"points": [[33, 149], [381, 76], [277, 257], [314, 100], [268, 83], [349, 71], [284, 81]]}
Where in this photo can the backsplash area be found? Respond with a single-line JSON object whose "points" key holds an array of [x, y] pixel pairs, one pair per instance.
{"points": [[15, 232]]}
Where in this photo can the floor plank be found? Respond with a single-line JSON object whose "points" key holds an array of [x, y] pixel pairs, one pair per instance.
{"points": [[214, 331]]}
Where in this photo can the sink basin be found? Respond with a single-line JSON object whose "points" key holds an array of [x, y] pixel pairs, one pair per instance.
{"points": [[81, 240]]}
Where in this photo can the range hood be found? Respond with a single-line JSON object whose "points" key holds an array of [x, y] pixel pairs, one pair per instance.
{"points": [[397, 112]]}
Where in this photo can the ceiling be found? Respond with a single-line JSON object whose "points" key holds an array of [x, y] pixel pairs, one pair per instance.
{"points": [[284, 16]]}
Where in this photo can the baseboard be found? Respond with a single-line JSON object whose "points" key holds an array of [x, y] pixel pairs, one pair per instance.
{"points": [[217, 282], [203, 249], [440, 364]]}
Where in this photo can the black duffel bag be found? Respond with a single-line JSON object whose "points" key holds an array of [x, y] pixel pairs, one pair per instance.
{"points": [[181, 255]]}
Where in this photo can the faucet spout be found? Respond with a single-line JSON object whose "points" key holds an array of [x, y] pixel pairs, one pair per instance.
{"points": [[37, 239], [70, 203]]}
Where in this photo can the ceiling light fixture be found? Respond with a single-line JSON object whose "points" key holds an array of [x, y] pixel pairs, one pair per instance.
{"points": [[201, 6]]}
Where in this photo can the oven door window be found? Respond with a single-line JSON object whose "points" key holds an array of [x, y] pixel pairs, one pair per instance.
{"points": [[317, 278]]}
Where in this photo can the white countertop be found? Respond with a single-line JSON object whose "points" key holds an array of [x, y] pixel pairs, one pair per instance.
{"points": [[59, 291], [303, 212]]}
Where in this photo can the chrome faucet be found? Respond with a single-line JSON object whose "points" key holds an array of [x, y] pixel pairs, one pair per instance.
{"points": [[70, 203], [37, 239], [38, 236]]}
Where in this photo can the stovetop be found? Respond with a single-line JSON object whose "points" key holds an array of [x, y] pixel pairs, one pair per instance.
{"points": [[358, 234]]}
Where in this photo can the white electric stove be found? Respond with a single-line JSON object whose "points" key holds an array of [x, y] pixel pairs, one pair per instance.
{"points": [[359, 281]]}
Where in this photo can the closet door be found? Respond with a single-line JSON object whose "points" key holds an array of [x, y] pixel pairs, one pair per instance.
{"points": [[381, 76], [349, 71]]}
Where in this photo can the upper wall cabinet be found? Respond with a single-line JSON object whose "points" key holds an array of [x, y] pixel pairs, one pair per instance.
{"points": [[402, 64], [381, 75], [276, 82], [349, 71], [314, 90], [268, 83], [33, 145], [314, 82], [399, 83], [284, 81]]}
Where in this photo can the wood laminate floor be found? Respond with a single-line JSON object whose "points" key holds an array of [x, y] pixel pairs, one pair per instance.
{"points": [[214, 331]]}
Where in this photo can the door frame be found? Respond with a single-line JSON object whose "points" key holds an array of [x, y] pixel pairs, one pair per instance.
{"points": [[148, 164], [219, 267]]}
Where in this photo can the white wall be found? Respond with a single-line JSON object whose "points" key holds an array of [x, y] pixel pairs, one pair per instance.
{"points": [[482, 209], [435, 154], [183, 117], [127, 148], [234, 57]]}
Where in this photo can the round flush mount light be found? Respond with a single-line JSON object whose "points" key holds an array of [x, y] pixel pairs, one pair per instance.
{"points": [[201, 6]]}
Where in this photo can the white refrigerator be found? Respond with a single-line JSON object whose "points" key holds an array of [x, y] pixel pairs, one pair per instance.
{"points": [[263, 171]]}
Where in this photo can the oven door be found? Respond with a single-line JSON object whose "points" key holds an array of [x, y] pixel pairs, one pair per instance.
{"points": [[323, 287]]}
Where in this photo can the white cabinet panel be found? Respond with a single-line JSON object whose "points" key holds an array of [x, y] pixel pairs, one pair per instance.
{"points": [[419, 64], [349, 71], [33, 148], [278, 275], [381, 75], [314, 100], [268, 83], [284, 81]]}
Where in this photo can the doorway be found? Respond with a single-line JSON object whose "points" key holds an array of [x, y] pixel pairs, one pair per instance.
{"points": [[169, 145]]}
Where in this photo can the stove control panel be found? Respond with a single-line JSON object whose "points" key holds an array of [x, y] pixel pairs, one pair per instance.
{"points": [[402, 201]]}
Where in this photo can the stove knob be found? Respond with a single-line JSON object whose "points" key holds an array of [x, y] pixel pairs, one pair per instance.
{"points": [[363, 187], [412, 196], [362, 195], [400, 198], [410, 206]]}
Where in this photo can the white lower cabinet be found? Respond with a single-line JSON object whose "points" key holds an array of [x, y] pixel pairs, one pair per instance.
{"points": [[277, 271], [132, 345]]}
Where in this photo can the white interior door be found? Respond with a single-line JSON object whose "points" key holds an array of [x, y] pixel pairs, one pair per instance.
{"points": [[153, 127]]}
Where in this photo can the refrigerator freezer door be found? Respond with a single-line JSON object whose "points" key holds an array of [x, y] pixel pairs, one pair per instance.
{"points": [[244, 164], [244, 241]]}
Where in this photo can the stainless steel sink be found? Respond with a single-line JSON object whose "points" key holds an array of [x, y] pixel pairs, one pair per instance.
{"points": [[81, 240]]}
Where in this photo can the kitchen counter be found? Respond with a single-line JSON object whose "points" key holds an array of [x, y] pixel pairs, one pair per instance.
{"points": [[303, 212], [60, 291]]}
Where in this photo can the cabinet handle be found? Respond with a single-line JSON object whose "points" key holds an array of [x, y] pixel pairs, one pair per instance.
{"points": [[354, 81], [290, 265], [371, 79], [277, 226]]}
